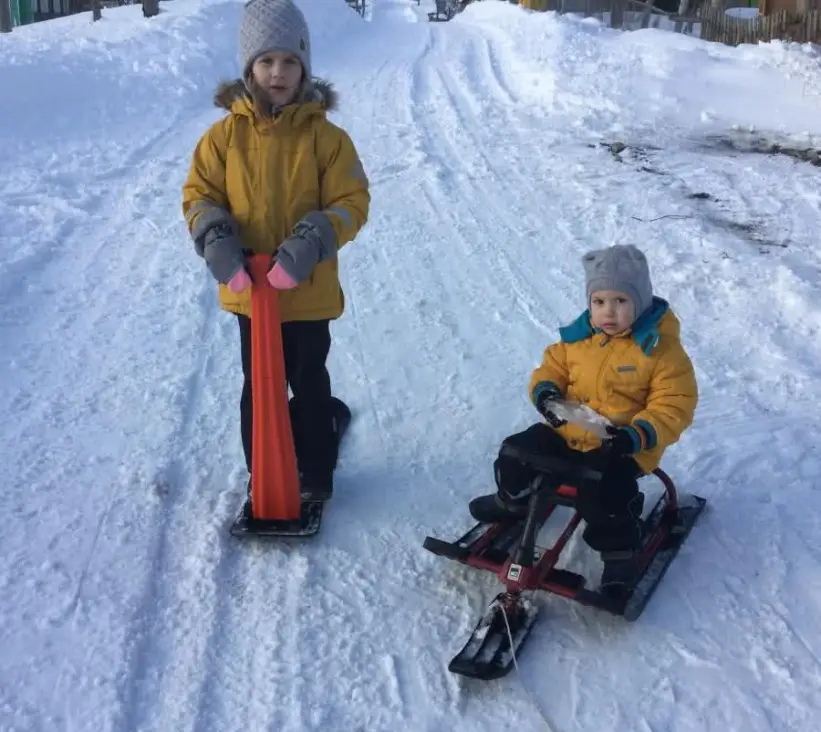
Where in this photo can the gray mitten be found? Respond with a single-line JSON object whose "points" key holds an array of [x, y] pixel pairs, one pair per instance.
{"points": [[222, 251], [313, 240]]}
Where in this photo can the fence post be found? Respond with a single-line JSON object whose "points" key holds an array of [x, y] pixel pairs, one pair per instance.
{"points": [[683, 8], [5, 16]]}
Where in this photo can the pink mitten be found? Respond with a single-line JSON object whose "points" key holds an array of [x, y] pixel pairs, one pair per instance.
{"points": [[239, 281], [280, 279]]}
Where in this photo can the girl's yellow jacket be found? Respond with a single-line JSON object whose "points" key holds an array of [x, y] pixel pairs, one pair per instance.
{"points": [[265, 174]]}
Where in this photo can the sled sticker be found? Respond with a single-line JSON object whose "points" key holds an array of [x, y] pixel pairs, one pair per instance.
{"points": [[514, 572]]}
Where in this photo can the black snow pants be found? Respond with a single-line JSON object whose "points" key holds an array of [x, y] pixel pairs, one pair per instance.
{"points": [[611, 508], [305, 346]]}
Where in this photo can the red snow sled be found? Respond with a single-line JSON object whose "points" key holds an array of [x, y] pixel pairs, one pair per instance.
{"points": [[509, 550]]}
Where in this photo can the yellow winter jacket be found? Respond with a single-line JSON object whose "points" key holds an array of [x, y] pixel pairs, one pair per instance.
{"points": [[265, 174], [642, 378]]}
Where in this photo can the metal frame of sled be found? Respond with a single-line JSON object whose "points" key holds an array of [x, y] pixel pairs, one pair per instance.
{"points": [[509, 551]]}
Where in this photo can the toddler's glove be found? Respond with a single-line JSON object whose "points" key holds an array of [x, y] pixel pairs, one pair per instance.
{"points": [[623, 441], [544, 403]]}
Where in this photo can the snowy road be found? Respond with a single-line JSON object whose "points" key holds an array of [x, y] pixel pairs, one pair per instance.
{"points": [[124, 603]]}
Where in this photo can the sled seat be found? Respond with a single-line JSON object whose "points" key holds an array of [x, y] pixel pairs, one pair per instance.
{"points": [[571, 474], [568, 473]]}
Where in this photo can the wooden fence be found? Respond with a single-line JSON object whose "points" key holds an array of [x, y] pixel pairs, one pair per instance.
{"points": [[783, 25], [710, 22], [626, 14]]}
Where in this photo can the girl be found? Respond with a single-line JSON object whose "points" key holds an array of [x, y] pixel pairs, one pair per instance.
{"points": [[623, 358], [274, 176]]}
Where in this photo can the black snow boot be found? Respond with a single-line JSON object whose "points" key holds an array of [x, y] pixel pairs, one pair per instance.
{"points": [[619, 572], [316, 441], [615, 532], [493, 509], [625, 537], [317, 485], [515, 484]]}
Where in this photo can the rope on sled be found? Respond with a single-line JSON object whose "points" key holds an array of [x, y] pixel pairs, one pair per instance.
{"points": [[549, 726]]}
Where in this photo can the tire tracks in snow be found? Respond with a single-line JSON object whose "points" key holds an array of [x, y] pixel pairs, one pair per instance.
{"points": [[97, 329], [151, 646], [376, 280], [254, 662], [460, 141], [582, 208], [220, 633], [74, 208], [182, 622], [161, 649], [453, 181], [435, 320]]}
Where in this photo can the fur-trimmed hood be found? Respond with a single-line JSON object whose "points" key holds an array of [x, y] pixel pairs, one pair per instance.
{"points": [[318, 90]]}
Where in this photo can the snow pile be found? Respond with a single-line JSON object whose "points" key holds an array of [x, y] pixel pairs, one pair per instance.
{"points": [[602, 80]]}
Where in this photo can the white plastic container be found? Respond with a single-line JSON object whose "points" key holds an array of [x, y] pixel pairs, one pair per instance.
{"points": [[582, 416]]}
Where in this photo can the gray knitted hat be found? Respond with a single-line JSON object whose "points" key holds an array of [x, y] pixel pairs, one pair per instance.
{"points": [[622, 268], [273, 25]]}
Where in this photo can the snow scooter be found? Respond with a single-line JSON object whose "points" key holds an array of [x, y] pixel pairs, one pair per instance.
{"points": [[509, 550], [278, 507]]}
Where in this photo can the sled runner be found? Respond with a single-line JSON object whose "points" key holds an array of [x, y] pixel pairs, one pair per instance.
{"points": [[278, 509], [310, 518], [509, 551]]}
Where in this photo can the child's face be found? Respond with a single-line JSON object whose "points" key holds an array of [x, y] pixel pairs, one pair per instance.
{"points": [[278, 75], [611, 311]]}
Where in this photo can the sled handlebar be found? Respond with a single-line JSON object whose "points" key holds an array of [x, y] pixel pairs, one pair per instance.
{"points": [[564, 470], [571, 472]]}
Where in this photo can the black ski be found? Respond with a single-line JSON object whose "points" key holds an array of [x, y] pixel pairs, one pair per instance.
{"points": [[494, 542], [490, 541], [689, 509], [489, 654], [310, 519], [307, 524], [632, 602]]}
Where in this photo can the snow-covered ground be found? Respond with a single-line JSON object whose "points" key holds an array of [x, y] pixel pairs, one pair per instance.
{"points": [[124, 603]]}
